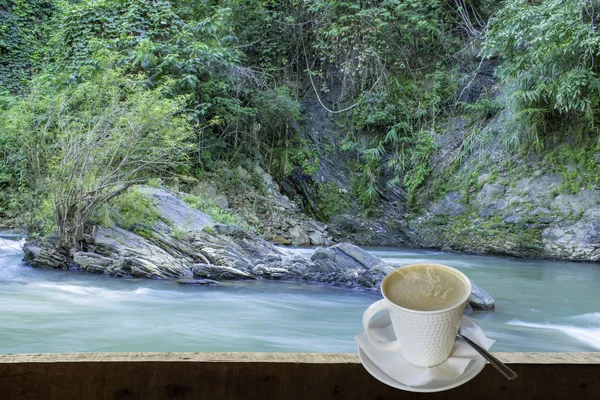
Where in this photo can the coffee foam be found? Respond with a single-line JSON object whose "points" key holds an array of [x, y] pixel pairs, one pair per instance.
{"points": [[425, 288]]}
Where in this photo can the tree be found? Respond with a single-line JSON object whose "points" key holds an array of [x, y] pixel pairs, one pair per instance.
{"points": [[101, 136]]}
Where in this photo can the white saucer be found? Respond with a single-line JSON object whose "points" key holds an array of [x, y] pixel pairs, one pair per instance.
{"points": [[472, 370]]}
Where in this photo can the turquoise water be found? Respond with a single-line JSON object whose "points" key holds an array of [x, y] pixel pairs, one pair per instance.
{"points": [[541, 306]]}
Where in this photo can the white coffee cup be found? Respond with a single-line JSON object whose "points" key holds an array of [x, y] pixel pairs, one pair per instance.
{"points": [[424, 338]]}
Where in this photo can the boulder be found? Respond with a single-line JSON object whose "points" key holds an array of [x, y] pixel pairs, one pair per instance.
{"points": [[187, 281], [323, 254], [92, 262], [479, 299], [219, 272], [280, 240], [358, 255], [178, 213], [317, 238], [577, 241], [270, 272], [132, 255], [298, 236], [221, 201], [45, 254], [451, 204], [204, 190], [491, 191], [242, 173]]}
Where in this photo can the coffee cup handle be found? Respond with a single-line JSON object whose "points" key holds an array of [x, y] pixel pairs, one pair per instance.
{"points": [[369, 313]]}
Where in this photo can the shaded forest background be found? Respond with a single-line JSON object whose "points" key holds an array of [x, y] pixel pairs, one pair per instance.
{"points": [[97, 96]]}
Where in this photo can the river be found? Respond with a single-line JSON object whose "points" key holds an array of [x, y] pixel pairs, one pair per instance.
{"points": [[540, 306]]}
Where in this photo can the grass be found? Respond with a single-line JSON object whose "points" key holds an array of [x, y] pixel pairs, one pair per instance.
{"points": [[132, 211], [218, 214]]}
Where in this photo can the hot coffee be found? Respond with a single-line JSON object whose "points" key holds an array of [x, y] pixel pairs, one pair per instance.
{"points": [[425, 287]]}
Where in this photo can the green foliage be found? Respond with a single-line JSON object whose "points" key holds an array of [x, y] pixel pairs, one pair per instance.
{"points": [[215, 212], [151, 37], [364, 183], [132, 210], [24, 29], [81, 145], [306, 156], [331, 200], [276, 108], [578, 166], [420, 157], [548, 51], [355, 35], [482, 109]]}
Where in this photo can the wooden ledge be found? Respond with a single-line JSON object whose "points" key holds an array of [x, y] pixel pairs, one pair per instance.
{"points": [[290, 376], [306, 358]]}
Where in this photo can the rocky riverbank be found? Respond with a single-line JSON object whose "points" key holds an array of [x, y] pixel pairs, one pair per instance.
{"points": [[478, 198], [187, 245]]}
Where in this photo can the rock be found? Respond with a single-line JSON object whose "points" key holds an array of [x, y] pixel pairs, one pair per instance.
{"points": [[92, 262], [204, 190], [451, 204], [479, 299], [132, 255], [221, 201], [268, 180], [535, 188], [490, 192], [491, 208], [511, 219], [359, 255], [323, 254], [272, 257], [187, 281], [270, 272], [258, 170], [45, 254], [283, 201], [579, 241], [483, 178], [219, 272], [280, 240], [242, 173], [177, 212], [298, 236], [317, 238]]}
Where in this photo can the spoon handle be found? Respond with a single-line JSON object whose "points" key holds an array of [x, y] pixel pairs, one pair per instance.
{"points": [[499, 365]]}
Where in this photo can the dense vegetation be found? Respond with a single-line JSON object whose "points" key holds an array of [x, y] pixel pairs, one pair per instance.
{"points": [[97, 95]]}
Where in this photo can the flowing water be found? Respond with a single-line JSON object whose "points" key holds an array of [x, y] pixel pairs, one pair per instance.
{"points": [[541, 306]]}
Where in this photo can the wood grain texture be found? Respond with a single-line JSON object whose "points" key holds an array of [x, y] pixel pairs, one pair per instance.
{"points": [[291, 377]]}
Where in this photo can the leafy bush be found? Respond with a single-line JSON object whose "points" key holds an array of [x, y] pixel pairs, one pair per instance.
{"points": [[25, 27], [82, 145], [132, 211], [548, 51], [331, 200]]}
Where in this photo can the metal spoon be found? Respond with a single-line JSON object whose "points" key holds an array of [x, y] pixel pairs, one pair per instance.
{"points": [[499, 365]]}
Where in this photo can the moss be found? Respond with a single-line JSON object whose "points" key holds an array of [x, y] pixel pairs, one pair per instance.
{"points": [[578, 166], [132, 211], [215, 212], [469, 232], [155, 182], [331, 199]]}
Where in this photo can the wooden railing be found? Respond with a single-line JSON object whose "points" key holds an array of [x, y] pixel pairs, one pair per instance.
{"points": [[290, 376]]}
